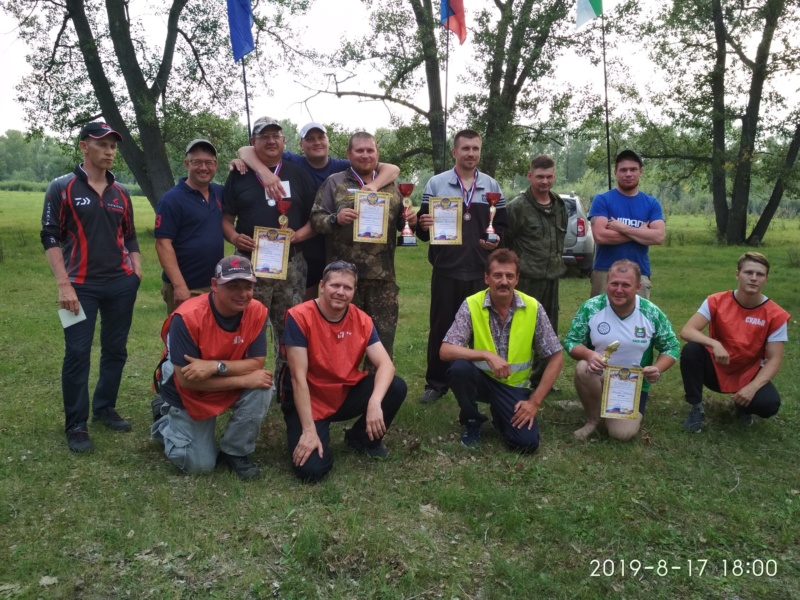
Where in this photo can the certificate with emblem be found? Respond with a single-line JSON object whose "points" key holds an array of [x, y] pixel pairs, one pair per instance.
{"points": [[446, 213], [271, 256], [622, 387], [372, 222]]}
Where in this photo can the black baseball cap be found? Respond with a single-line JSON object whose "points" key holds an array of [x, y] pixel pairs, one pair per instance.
{"points": [[234, 267], [98, 130], [628, 155]]}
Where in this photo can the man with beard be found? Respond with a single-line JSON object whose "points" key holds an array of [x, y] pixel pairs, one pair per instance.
{"points": [[640, 327], [246, 206], [333, 216], [625, 223]]}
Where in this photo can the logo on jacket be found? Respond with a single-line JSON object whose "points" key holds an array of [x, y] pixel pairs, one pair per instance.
{"points": [[603, 328], [638, 332], [80, 201], [341, 334], [755, 321], [238, 340]]}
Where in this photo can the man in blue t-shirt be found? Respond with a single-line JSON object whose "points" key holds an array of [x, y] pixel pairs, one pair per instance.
{"points": [[188, 228], [625, 223]]}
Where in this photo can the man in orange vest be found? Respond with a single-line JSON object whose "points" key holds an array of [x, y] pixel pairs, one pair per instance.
{"points": [[743, 349], [325, 341], [216, 344]]}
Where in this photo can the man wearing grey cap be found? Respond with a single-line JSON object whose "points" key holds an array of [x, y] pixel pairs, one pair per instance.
{"points": [[315, 161], [246, 205], [90, 240], [625, 223], [188, 227], [215, 346]]}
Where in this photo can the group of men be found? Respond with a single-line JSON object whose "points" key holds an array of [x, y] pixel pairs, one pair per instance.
{"points": [[493, 312]]}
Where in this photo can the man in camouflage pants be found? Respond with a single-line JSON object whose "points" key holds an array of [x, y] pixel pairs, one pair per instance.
{"points": [[245, 206], [333, 215]]}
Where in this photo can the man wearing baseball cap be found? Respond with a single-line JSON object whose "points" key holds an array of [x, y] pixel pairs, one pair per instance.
{"points": [[625, 223], [188, 227], [215, 346], [90, 240], [315, 161]]}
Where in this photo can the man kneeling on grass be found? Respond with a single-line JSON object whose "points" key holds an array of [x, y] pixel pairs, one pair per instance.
{"points": [[640, 327], [216, 344], [743, 350], [325, 341], [491, 345]]}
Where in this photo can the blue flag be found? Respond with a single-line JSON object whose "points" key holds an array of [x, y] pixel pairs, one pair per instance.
{"points": [[240, 19]]}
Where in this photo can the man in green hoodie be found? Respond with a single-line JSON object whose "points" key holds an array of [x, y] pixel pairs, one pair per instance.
{"points": [[537, 224]]}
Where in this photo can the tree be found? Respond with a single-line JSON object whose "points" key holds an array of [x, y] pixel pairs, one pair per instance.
{"points": [[515, 43], [723, 59], [95, 59]]}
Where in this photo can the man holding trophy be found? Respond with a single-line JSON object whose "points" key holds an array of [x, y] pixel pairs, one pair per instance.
{"points": [[459, 246], [613, 337], [361, 228]]}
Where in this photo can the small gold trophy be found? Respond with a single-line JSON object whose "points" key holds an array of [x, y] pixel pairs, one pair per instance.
{"points": [[610, 349], [492, 198], [407, 237]]}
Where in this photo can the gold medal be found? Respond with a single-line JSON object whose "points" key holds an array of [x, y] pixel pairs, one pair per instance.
{"points": [[283, 221]]}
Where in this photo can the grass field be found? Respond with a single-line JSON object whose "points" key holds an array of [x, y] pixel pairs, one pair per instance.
{"points": [[435, 520]]}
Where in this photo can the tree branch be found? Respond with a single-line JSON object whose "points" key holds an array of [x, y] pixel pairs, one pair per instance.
{"points": [[739, 52], [160, 82]]}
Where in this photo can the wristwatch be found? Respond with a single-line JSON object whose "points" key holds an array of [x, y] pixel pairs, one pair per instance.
{"points": [[222, 368], [333, 219]]}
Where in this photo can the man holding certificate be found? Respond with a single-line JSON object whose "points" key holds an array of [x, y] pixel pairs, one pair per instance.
{"points": [[613, 338], [743, 349], [461, 207], [491, 343], [361, 228], [282, 225]]}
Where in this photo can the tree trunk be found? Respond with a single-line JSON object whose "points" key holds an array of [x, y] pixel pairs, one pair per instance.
{"points": [[423, 13], [760, 230], [737, 220], [718, 176]]}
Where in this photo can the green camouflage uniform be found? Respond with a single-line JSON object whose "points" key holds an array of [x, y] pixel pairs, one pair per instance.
{"points": [[536, 233], [377, 291]]}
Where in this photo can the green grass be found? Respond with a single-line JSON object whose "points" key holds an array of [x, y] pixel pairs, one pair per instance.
{"points": [[435, 520]]}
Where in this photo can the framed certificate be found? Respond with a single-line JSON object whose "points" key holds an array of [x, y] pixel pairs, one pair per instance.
{"points": [[372, 223], [271, 256], [622, 387], [446, 213]]}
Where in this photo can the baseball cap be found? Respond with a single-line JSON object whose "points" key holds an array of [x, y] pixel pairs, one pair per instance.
{"points": [[200, 142], [309, 126], [263, 122], [233, 267], [629, 155], [98, 130]]}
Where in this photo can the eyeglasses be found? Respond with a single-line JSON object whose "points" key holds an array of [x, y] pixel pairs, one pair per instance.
{"points": [[196, 162], [270, 137], [339, 265]]}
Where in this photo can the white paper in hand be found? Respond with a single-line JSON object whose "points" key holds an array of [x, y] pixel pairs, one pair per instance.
{"points": [[70, 318]]}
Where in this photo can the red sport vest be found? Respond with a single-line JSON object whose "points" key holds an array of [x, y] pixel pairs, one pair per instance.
{"points": [[335, 352], [743, 332], [215, 344]]}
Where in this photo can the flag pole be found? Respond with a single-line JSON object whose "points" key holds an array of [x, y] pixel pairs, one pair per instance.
{"points": [[605, 86], [246, 101], [446, 80]]}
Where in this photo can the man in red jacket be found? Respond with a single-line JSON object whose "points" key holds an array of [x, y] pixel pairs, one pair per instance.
{"points": [[216, 344], [325, 341], [743, 350]]}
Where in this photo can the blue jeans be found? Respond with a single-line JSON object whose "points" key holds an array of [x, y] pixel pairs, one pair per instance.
{"points": [[189, 444], [470, 385], [114, 301]]}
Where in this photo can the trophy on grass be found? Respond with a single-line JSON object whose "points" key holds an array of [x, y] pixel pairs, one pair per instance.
{"points": [[492, 198], [406, 237]]}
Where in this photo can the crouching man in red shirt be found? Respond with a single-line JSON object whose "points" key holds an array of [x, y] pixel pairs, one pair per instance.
{"points": [[325, 341], [216, 344]]}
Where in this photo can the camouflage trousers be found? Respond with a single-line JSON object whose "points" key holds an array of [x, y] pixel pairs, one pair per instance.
{"points": [[378, 299], [168, 294], [279, 295]]}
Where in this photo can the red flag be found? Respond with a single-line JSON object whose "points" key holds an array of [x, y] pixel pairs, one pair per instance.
{"points": [[452, 17]]}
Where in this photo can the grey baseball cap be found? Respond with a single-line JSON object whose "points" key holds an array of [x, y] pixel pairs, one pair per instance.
{"points": [[200, 142], [304, 131]]}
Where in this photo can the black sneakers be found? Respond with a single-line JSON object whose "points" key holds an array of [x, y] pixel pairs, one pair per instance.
{"points": [[78, 439], [378, 451], [471, 436], [111, 419], [241, 465], [430, 395]]}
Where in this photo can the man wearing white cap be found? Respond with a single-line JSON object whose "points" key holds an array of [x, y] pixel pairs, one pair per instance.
{"points": [[215, 350], [315, 161], [188, 227], [90, 241]]}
